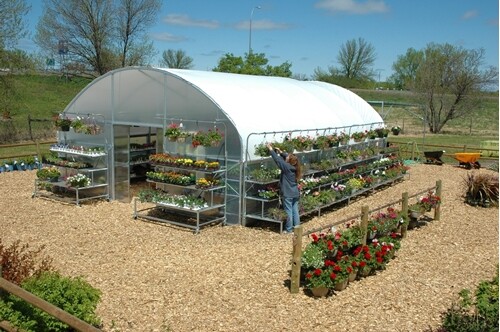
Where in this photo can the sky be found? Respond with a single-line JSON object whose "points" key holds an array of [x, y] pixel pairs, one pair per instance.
{"points": [[310, 33]]}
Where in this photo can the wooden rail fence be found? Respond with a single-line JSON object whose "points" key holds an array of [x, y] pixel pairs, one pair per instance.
{"points": [[299, 233], [49, 308]]}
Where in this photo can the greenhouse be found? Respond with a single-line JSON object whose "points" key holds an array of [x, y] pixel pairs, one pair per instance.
{"points": [[125, 117]]}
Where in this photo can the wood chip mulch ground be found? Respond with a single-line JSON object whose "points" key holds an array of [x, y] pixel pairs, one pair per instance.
{"points": [[164, 278]]}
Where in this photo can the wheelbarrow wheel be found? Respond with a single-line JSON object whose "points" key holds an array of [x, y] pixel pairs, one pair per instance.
{"points": [[477, 165]]}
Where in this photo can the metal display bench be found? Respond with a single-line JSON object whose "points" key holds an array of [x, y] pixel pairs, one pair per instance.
{"points": [[213, 213], [97, 158], [260, 212]]}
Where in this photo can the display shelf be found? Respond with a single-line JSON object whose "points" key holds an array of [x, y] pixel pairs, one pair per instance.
{"points": [[200, 221], [260, 212], [215, 197], [98, 174]]}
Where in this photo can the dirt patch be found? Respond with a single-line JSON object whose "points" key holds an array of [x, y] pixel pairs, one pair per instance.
{"points": [[161, 277]]}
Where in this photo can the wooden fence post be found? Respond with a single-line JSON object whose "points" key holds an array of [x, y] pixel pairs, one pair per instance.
{"points": [[437, 209], [296, 259], [364, 223], [404, 211], [413, 149]]}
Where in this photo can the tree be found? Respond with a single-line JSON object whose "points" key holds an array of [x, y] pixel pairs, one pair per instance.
{"points": [[12, 25], [355, 58], [134, 17], [448, 81], [176, 59], [405, 69], [253, 64], [90, 32]]}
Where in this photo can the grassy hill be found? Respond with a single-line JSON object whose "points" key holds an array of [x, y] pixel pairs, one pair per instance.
{"points": [[42, 96]]}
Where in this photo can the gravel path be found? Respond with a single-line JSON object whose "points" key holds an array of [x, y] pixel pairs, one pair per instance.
{"points": [[163, 278]]}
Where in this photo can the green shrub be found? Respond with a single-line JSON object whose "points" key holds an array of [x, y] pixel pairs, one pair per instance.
{"points": [[468, 315], [73, 295]]}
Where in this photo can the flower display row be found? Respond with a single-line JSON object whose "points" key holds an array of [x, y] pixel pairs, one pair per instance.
{"points": [[20, 164], [318, 142], [332, 260], [169, 160], [183, 201], [208, 138], [177, 178], [207, 183], [91, 151], [56, 161]]}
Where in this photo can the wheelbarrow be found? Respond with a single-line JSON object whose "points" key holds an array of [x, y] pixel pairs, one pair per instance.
{"points": [[433, 157], [468, 159]]}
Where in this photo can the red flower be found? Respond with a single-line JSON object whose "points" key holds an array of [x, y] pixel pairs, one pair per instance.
{"points": [[349, 269], [354, 264], [337, 268], [317, 272], [329, 263], [333, 276], [362, 264], [314, 237], [368, 256], [379, 260], [309, 275]]}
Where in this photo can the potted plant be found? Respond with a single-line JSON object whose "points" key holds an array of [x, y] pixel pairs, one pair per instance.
{"points": [[321, 142], [396, 130], [78, 181], [302, 143], [320, 280], [277, 214], [51, 174], [382, 132], [262, 150], [429, 201], [63, 123], [358, 136], [173, 131]]}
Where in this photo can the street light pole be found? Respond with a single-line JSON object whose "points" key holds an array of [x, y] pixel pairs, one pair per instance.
{"points": [[250, 36]]}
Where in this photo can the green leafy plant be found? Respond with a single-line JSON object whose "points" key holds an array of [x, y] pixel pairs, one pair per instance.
{"points": [[262, 150], [478, 313], [73, 295], [48, 173], [277, 214]]}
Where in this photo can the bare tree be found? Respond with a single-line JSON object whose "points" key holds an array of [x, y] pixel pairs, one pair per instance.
{"points": [[133, 19], [89, 33], [12, 24], [176, 59], [449, 80], [356, 58]]}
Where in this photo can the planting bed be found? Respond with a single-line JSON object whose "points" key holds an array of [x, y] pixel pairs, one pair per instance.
{"points": [[158, 278]]}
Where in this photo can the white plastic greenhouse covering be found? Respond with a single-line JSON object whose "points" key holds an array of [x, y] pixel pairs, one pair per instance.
{"points": [[253, 104]]}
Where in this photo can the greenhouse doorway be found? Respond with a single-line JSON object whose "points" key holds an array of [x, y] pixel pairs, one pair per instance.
{"points": [[132, 147]]}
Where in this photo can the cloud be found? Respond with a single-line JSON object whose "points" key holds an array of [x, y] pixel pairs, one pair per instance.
{"points": [[262, 25], [353, 6], [186, 21], [213, 53], [167, 37], [469, 14]]}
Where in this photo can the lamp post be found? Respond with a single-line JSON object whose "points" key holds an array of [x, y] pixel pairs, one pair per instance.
{"points": [[250, 36]]}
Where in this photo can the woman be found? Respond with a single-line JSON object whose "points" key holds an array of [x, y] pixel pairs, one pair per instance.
{"points": [[289, 189]]}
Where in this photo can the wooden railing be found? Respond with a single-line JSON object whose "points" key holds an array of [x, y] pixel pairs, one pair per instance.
{"points": [[49, 308], [36, 147], [299, 233]]}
